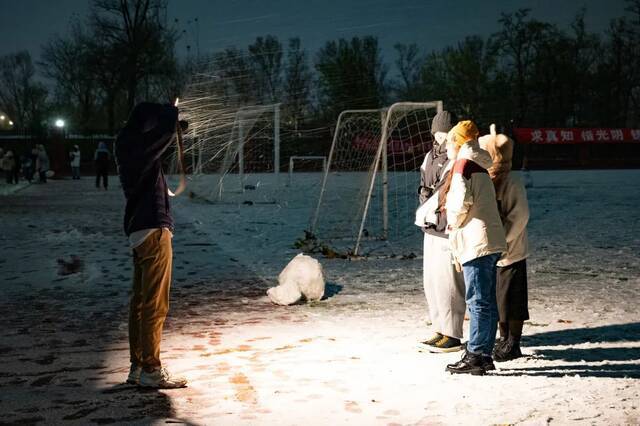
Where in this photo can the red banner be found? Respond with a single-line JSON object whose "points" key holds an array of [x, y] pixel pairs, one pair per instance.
{"points": [[569, 135]]}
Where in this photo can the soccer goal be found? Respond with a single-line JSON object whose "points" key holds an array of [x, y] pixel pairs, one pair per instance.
{"points": [[367, 200], [252, 153]]}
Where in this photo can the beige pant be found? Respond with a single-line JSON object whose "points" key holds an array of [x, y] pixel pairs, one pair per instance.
{"points": [[150, 297], [443, 287]]}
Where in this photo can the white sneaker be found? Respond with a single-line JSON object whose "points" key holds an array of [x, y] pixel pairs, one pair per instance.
{"points": [[161, 379], [134, 374]]}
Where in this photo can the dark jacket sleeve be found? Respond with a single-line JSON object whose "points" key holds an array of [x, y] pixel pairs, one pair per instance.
{"points": [[430, 175], [424, 191]]}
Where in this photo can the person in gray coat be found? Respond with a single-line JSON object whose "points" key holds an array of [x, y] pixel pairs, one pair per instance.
{"points": [[511, 284], [443, 284]]}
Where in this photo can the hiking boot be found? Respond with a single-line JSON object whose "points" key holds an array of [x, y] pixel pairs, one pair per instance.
{"points": [[446, 344], [469, 364], [161, 379], [134, 374], [426, 344], [500, 342], [487, 363], [509, 350]]}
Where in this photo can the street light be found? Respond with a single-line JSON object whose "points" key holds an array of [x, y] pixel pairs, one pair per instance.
{"points": [[60, 123], [2, 117]]}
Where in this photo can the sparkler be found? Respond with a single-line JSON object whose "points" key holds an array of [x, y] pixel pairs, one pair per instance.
{"points": [[182, 185]]}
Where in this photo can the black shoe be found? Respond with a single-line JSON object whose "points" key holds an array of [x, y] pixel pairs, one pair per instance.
{"points": [[508, 351], [469, 364], [487, 363], [498, 345]]}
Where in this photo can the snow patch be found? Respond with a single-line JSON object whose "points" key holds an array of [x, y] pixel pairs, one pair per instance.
{"points": [[73, 235]]}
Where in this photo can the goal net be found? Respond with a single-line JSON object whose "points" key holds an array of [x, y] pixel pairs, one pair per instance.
{"points": [[367, 201], [241, 149], [251, 160]]}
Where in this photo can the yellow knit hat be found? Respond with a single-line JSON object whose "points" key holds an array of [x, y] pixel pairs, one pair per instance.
{"points": [[464, 131]]}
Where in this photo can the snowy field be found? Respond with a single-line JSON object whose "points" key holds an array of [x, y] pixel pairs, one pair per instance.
{"points": [[349, 359]]}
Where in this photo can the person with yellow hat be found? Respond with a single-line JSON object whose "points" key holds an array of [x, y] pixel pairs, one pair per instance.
{"points": [[477, 241]]}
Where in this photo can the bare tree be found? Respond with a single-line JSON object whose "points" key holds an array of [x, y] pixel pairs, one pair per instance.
{"points": [[22, 98], [633, 7], [266, 56], [464, 76], [351, 74], [409, 64], [519, 41], [67, 62], [236, 74], [137, 29], [297, 87], [619, 70]]}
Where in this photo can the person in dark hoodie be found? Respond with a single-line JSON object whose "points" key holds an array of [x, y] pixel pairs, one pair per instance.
{"points": [[148, 223], [443, 285], [101, 158]]}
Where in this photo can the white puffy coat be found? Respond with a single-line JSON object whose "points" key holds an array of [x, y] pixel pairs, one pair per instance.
{"points": [[474, 224], [75, 161]]}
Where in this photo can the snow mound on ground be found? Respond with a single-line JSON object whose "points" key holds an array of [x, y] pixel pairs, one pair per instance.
{"points": [[303, 276]]}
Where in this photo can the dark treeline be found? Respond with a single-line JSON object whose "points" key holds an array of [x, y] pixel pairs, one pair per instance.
{"points": [[528, 73]]}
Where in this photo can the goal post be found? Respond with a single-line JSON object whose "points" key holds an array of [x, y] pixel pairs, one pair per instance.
{"points": [[391, 142], [344, 119]]}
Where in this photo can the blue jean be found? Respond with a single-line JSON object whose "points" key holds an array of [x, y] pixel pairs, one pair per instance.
{"points": [[480, 284]]}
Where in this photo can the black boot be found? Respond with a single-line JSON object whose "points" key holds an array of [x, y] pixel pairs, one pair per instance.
{"points": [[469, 364], [499, 344], [508, 351], [487, 363]]}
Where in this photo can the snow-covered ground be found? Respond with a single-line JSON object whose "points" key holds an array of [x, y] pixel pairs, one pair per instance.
{"points": [[7, 189], [347, 359]]}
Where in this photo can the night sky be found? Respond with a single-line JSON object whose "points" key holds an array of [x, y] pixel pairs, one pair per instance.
{"points": [[27, 24]]}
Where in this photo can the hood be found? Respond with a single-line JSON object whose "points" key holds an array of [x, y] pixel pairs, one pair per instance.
{"points": [[471, 151], [500, 147], [145, 115]]}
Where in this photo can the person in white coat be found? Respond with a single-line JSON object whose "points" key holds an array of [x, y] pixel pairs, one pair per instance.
{"points": [[443, 285], [511, 286], [74, 162], [42, 163], [477, 241]]}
